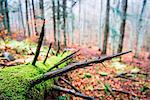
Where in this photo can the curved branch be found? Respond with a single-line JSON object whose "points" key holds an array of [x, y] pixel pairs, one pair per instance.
{"points": [[71, 67]]}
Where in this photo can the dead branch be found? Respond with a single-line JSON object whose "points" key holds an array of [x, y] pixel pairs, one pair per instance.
{"points": [[121, 76], [67, 82], [58, 88], [120, 91], [71, 67], [39, 44], [63, 60], [50, 45]]}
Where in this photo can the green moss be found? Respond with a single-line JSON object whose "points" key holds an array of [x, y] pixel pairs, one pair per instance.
{"points": [[15, 81]]}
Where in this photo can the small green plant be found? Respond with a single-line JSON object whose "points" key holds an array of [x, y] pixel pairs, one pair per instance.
{"points": [[87, 75], [106, 88], [144, 88]]}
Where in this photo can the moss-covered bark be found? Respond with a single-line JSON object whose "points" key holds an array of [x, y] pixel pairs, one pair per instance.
{"points": [[15, 81]]}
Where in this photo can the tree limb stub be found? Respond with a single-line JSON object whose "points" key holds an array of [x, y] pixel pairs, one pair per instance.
{"points": [[71, 67], [58, 88]]}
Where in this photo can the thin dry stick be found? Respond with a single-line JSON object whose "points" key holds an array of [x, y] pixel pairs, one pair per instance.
{"points": [[67, 82], [58, 88]]}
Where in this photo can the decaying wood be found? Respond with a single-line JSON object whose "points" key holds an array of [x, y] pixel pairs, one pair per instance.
{"points": [[71, 67], [67, 82], [63, 60], [58, 88]]}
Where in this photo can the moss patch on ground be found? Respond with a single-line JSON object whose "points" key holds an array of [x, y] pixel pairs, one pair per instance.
{"points": [[15, 81]]}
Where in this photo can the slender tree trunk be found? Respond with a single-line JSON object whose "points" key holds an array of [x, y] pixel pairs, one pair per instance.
{"points": [[64, 22], [79, 22], [21, 13], [54, 20], [138, 39], [27, 18], [7, 16], [34, 17], [72, 23], [58, 21], [123, 23], [42, 8], [3, 13], [100, 30], [31, 19], [106, 30]]}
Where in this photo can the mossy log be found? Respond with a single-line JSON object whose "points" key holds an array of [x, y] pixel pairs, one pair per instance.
{"points": [[15, 80]]}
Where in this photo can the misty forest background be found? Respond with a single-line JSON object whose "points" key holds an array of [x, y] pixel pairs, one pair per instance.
{"points": [[92, 49], [110, 25]]}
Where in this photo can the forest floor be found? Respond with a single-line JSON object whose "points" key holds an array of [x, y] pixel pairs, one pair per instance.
{"points": [[128, 79], [125, 80]]}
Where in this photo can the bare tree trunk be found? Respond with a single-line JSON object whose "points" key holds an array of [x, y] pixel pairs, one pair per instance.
{"points": [[20, 9], [123, 23], [64, 21], [34, 17], [54, 20], [58, 22], [106, 30], [27, 17], [100, 24], [31, 19], [138, 47], [79, 22], [7, 16], [42, 8], [72, 22]]}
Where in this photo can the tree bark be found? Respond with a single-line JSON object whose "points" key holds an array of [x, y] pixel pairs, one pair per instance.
{"points": [[106, 30], [27, 18], [34, 17], [58, 22], [64, 22], [139, 27], [21, 13], [42, 8], [7, 16], [123, 23], [54, 20]]}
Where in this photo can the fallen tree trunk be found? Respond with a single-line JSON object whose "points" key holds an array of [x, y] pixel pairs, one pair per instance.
{"points": [[15, 81], [71, 67]]}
